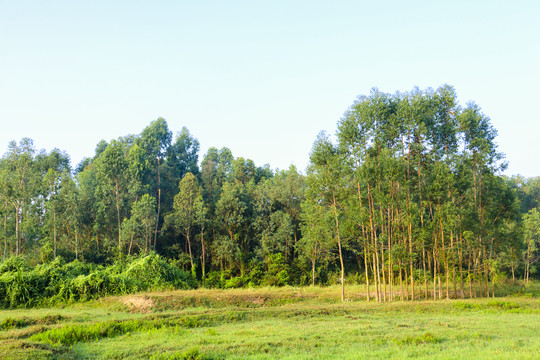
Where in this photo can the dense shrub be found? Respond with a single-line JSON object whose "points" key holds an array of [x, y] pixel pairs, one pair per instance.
{"points": [[276, 273], [58, 281]]}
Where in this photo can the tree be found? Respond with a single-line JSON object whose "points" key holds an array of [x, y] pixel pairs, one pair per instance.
{"points": [[52, 183], [144, 215], [531, 224], [233, 213], [324, 180], [188, 206], [114, 178], [19, 163], [316, 242], [156, 139], [287, 193]]}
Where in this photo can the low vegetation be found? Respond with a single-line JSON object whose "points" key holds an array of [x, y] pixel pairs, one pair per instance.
{"points": [[60, 282]]}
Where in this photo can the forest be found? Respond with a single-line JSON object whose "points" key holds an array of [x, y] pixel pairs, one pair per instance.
{"points": [[407, 198]]}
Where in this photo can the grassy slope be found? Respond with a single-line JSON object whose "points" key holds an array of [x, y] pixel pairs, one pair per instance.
{"points": [[273, 323]]}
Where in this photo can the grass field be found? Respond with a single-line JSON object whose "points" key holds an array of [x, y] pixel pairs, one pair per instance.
{"points": [[269, 323]]}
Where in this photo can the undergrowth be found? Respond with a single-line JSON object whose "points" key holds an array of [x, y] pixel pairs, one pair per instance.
{"points": [[60, 282]]}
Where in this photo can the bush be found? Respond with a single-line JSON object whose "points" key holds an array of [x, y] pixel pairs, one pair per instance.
{"points": [[58, 281], [235, 282], [214, 280], [278, 271]]}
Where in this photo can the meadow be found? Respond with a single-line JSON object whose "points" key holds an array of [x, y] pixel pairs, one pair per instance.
{"points": [[270, 323]]}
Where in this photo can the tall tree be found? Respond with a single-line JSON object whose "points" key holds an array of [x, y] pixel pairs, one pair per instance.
{"points": [[531, 223], [156, 139], [115, 178], [188, 205], [326, 188], [145, 217]]}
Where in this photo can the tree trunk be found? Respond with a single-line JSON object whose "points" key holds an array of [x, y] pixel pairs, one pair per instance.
{"points": [[434, 276], [54, 232], [312, 272], [117, 194], [368, 294], [158, 203], [203, 262], [190, 253], [528, 263], [400, 281], [460, 253], [17, 230], [5, 235], [513, 276], [374, 266], [76, 244], [469, 275], [426, 296], [130, 244], [383, 272], [411, 260]]}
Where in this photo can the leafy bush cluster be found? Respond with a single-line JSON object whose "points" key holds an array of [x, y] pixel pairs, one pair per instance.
{"points": [[24, 286], [275, 274]]}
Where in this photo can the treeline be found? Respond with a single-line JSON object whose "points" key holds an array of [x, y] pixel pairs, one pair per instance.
{"points": [[408, 199]]}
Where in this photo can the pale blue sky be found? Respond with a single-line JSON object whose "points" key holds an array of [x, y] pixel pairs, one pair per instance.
{"points": [[260, 77]]}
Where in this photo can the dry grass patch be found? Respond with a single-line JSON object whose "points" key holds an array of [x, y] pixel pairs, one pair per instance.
{"points": [[138, 304]]}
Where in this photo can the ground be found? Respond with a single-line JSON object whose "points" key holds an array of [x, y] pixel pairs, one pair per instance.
{"points": [[270, 323]]}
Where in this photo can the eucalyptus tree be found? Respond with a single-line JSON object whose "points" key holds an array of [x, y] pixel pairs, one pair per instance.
{"points": [[181, 157], [216, 169], [287, 193], [116, 183], [156, 139], [316, 242], [52, 184], [483, 159], [188, 204], [19, 162], [276, 236], [201, 216], [4, 207], [89, 206], [234, 213], [130, 231], [325, 186], [244, 170], [528, 192], [145, 216], [531, 224], [69, 213], [355, 132]]}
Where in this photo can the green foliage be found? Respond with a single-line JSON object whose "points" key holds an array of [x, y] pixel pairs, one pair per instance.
{"points": [[235, 282], [276, 274], [21, 286], [278, 271]]}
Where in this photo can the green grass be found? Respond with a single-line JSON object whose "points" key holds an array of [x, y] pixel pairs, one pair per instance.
{"points": [[267, 323]]}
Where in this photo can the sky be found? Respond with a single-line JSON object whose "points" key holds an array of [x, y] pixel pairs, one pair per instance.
{"points": [[262, 78]]}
